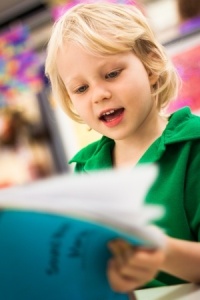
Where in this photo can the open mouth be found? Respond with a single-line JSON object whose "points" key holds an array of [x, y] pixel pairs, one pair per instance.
{"points": [[112, 114]]}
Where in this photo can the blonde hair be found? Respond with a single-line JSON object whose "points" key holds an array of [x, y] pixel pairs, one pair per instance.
{"points": [[106, 29]]}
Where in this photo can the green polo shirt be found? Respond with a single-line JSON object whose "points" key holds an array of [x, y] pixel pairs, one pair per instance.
{"points": [[177, 188]]}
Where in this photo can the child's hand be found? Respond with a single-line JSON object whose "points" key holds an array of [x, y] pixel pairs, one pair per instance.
{"points": [[132, 267]]}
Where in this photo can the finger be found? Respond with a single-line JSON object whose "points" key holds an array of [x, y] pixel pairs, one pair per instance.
{"points": [[118, 282], [126, 282], [137, 274], [120, 247], [146, 259]]}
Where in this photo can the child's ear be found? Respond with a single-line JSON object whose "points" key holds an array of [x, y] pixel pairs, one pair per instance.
{"points": [[153, 57], [152, 78]]}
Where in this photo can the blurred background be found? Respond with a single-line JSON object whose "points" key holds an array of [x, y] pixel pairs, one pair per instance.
{"points": [[36, 138]]}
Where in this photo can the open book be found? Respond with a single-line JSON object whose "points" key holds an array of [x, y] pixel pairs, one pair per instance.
{"points": [[54, 233]]}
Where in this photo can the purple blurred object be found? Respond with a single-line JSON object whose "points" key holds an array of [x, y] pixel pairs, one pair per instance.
{"points": [[190, 25]]}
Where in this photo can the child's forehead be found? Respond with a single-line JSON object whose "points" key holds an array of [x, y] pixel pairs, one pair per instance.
{"points": [[72, 56], [78, 49], [75, 49]]}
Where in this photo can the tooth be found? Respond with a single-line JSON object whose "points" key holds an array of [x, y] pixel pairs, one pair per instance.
{"points": [[109, 112]]}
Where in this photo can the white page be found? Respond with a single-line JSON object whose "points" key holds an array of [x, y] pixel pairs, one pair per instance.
{"points": [[114, 198]]}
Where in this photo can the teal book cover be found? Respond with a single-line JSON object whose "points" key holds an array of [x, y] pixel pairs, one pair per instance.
{"points": [[57, 254], [44, 256]]}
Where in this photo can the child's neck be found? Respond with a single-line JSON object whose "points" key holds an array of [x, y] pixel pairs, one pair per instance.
{"points": [[125, 155], [128, 152]]}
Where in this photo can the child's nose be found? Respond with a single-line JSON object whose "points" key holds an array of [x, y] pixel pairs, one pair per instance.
{"points": [[101, 93]]}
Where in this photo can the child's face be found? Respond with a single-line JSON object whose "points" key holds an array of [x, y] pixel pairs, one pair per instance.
{"points": [[112, 94]]}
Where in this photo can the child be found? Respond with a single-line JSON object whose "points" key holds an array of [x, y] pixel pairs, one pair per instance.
{"points": [[108, 70]]}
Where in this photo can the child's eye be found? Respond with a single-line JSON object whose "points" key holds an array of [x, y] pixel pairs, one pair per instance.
{"points": [[81, 89], [112, 74]]}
